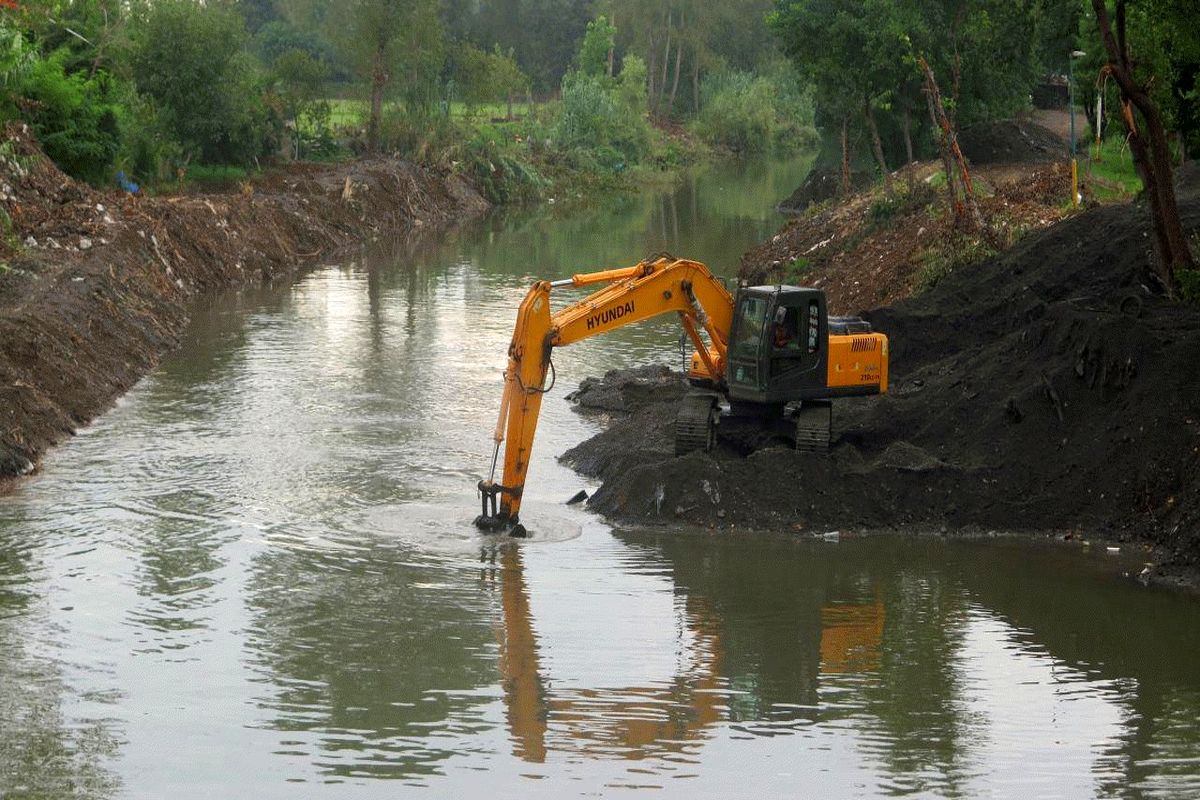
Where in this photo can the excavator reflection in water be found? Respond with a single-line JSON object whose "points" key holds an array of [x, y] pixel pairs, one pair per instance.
{"points": [[637, 722]]}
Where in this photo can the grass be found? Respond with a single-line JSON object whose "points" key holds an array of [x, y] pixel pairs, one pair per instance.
{"points": [[1114, 173], [941, 260], [348, 113], [202, 173]]}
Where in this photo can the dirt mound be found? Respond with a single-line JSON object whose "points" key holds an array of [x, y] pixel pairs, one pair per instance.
{"points": [[625, 390], [871, 250], [821, 184], [94, 285], [1010, 142], [1045, 389]]}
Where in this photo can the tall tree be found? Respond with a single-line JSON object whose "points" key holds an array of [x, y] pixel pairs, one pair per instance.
{"points": [[1147, 140], [393, 45]]}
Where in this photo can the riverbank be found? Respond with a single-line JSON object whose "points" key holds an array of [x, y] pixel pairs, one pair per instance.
{"points": [[94, 285], [1045, 389]]}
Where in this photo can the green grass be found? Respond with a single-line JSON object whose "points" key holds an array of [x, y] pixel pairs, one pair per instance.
{"points": [[1117, 179], [202, 173], [350, 113]]}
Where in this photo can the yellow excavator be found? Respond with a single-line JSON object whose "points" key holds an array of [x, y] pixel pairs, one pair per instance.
{"points": [[770, 359]]}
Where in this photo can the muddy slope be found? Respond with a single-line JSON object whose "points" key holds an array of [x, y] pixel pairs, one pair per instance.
{"points": [[1024, 397], [94, 285]]}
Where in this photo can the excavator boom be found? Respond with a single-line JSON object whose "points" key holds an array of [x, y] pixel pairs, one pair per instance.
{"points": [[626, 296]]}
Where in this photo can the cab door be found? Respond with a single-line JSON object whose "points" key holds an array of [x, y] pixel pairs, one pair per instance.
{"points": [[797, 346]]}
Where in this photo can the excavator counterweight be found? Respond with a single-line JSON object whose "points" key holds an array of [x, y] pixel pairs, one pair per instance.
{"points": [[771, 357]]}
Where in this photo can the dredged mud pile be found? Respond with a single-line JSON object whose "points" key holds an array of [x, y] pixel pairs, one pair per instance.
{"points": [[94, 285], [1046, 389]]}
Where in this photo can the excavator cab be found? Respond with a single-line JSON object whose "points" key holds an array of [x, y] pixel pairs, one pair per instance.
{"points": [[777, 345], [787, 360]]}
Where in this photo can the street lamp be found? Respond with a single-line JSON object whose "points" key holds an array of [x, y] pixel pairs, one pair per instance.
{"points": [[1074, 158]]}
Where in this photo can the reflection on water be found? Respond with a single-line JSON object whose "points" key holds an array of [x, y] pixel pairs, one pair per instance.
{"points": [[258, 571]]}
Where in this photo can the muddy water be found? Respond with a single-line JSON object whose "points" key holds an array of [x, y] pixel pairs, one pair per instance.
{"points": [[256, 577]]}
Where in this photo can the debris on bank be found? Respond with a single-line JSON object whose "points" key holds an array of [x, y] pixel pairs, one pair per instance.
{"points": [[94, 285], [1050, 388]]}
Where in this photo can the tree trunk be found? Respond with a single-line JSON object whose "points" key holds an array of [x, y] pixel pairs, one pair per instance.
{"points": [[845, 155], [675, 83], [696, 81], [906, 126], [666, 66], [651, 71], [1151, 153], [379, 79], [877, 147], [947, 163], [612, 52], [951, 151]]}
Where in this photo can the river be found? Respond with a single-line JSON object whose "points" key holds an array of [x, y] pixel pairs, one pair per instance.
{"points": [[256, 577]]}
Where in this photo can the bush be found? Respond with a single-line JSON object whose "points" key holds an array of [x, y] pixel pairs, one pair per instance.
{"points": [[749, 113], [1189, 284], [592, 118], [148, 151], [189, 58], [74, 117]]}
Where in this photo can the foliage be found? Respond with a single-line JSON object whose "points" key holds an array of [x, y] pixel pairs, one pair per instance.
{"points": [[483, 77], [594, 116], [16, 58], [189, 58], [1189, 285], [598, 41], [501, 176], [298, 81], [148, 151], [957, 252], [749, 113], [73, 116]]}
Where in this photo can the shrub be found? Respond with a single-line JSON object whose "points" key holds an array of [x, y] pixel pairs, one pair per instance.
{"points": [[74, 117], [1189, 284], [189, 58], [749, 113], [591, 118]]}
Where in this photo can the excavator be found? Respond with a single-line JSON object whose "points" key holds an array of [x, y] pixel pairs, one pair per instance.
{"points": [[769, 358]]}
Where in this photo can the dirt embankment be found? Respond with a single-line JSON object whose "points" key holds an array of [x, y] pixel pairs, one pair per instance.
{"points": [[94, 285], [1046, 389]]}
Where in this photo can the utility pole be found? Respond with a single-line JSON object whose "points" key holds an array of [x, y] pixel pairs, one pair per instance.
{"points": [[1074, 155]]}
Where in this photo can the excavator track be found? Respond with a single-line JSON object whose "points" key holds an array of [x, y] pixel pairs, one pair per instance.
{"points": [[695, 424], [814, 426]]}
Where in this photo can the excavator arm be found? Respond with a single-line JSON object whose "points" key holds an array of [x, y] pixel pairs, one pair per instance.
{"points": [[626, 296]]}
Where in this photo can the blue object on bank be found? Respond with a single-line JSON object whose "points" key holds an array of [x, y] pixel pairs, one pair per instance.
{"points": [[126, 184]]}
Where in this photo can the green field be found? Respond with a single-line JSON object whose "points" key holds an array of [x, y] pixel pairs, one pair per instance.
{"points": [[350, 113]]}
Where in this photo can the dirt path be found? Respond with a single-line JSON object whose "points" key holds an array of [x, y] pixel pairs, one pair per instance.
{"points": [[94, 285]]}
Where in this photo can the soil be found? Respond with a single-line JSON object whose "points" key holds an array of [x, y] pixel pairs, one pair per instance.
{"points": [[869, 251], [1012, 142], [1050, 388], [94, 285]]}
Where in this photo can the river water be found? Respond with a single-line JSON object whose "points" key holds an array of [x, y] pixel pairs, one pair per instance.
{"points": [[256, 577]]}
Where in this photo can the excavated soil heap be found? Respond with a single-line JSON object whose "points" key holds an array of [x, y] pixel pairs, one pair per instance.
{"points": [[1047, 389]]}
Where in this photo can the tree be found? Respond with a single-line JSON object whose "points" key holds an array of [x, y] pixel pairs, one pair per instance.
{"points": [[190, 59], [487, 77], [1148, 142], [299, 83], [598, 43], [389, 44]]}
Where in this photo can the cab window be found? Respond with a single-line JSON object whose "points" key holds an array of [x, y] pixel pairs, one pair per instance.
{"points": [[752, 317]]}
